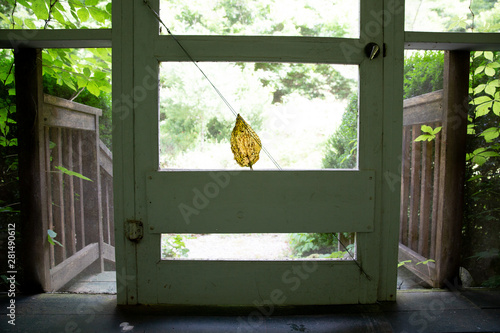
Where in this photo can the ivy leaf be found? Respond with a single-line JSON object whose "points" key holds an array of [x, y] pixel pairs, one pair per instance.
{"points": [[83, 14], [72, 173]]}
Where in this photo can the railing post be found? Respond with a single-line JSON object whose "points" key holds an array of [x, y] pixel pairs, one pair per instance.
{"points": [[452, 165], [35, 247]]}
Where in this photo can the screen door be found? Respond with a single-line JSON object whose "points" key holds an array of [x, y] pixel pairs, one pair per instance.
{"points": [[280, 198]]}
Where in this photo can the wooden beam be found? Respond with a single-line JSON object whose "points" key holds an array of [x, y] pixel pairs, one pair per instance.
{"points": [[452, 41], [74, 265], [426, 272], [452, 165], [57, 38], [423, 109], [34, 252]]}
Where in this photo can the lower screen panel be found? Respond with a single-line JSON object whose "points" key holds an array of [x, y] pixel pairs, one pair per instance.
{"points": [[259, 246]]}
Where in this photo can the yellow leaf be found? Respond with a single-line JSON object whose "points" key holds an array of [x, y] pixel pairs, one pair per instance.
{"points": [[245, 143]]}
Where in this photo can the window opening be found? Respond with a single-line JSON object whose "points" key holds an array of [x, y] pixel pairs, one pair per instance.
{"points": [[305, 114], [320, 18], [261, 246], [452, 16]]}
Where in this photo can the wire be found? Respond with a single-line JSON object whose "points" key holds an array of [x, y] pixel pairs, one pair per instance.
{"points": [[158, 18], [352, 257]]}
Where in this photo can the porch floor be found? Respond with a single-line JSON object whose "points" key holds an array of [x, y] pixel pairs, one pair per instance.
{"points": [[414, 311], [105, 282]]}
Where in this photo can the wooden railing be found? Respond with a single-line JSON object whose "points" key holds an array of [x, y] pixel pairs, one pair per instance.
{"points": [[432, 176], [420, 184], [80, 211]]}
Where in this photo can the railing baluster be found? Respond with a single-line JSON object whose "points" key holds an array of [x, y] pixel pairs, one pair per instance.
{"points": [[405, 185], [425, 199], [49, 203], [414, 188]]}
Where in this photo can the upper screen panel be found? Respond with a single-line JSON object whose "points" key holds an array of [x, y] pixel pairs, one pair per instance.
{"points": [[452, 15], [323, 18]]}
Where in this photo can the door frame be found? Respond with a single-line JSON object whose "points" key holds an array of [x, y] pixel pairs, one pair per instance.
{"points": [[129, 87]]}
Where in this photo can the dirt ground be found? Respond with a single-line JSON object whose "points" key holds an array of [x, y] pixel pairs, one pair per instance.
{"points": [[239, 246]]}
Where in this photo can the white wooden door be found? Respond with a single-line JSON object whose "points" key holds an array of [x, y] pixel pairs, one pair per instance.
{"points": [[251, 202]]}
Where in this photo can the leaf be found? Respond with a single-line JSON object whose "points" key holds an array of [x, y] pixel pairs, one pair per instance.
{"points": [[483, 109], [72, 173], [93, 88], [245, 144], [29, 24], [488, 55], [97, 14], [401, 263], [50, 237], [83, 14], [479, 88], [426, 128], [481, 99], [490, 90], [426, 261], [479, 69], [489, 71], [490, 133], [496, 108], [40, 9]]}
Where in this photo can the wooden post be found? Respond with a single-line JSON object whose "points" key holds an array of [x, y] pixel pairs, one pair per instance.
{"points": [[452, 165], [29, 95]]}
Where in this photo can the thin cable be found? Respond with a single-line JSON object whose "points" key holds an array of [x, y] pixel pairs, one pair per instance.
{"points": [[210, 81], [355, 261]]}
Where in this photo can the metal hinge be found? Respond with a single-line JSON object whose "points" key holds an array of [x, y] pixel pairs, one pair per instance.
{"points": [[134, 230]]}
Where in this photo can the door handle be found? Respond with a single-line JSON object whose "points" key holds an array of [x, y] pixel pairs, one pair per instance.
{"points": [[372, 50]]}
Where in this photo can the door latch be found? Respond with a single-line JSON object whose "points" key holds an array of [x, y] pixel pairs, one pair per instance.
{"points": [[372, 50], [134, 230]]}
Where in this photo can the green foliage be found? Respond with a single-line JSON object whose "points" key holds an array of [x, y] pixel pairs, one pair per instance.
{"points": [[319, 245], [72, 173], [173, 246], [304, 244], [423, 73], [50, 237], [341, 147], [481, 229], [429, 133], [218, 130], [311, 80]]}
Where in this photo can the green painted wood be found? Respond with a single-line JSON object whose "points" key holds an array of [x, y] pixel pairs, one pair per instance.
{"points": [[264, 49], [260, 201], [391, 156], [452, 41], [265, 201], [265, 284], [123, 158]]}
